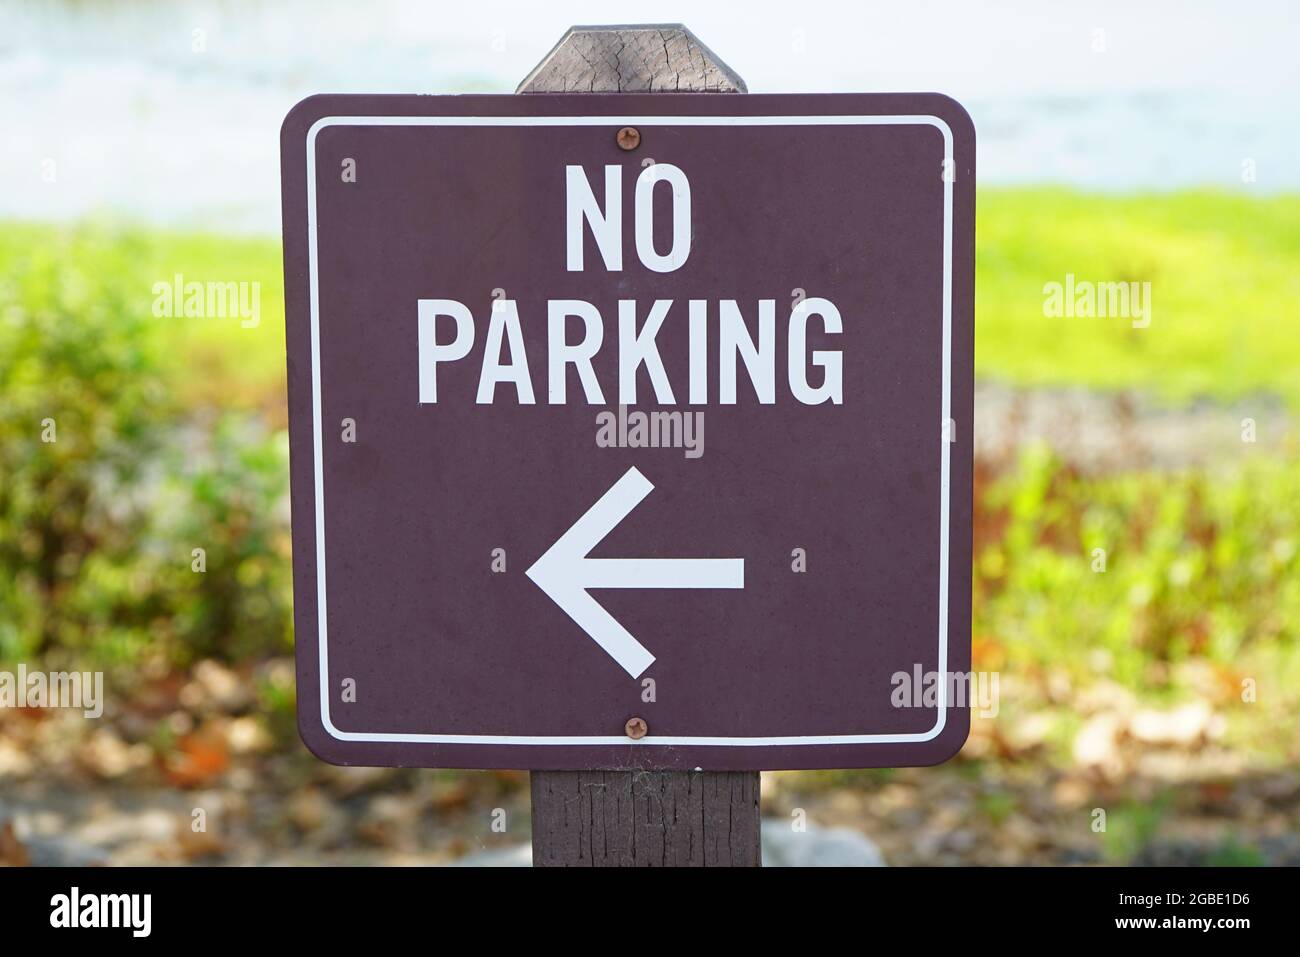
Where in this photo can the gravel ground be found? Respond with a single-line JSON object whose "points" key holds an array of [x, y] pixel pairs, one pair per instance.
{"points": [[1124, 430]]}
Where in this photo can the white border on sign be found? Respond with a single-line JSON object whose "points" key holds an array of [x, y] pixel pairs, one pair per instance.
{"points": [[615, 121]]}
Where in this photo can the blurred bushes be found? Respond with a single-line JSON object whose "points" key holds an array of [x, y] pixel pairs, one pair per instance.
{"points": [[1195, 564], [107, 486], [227, 494]]}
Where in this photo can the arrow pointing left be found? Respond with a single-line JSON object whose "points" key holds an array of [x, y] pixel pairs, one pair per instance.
{"points": [[565, 572]]}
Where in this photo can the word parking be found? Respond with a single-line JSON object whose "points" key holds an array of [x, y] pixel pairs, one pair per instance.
{"points": [[638, 323]]}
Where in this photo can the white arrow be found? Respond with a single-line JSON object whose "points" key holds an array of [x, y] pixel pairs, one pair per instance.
{"points": [[565, 572]]}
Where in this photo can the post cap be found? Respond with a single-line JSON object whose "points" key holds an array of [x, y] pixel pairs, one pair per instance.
{"points": [[631, 58]]}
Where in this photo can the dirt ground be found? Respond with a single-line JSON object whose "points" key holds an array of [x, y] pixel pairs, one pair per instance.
{"points": [[193, 772]]}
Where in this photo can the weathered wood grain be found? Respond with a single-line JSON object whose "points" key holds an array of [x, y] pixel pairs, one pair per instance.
{"points": [[663, 58], [646, 819]]}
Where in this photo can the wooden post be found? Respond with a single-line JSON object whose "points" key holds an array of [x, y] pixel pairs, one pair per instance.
{"points": [[640, 818]]}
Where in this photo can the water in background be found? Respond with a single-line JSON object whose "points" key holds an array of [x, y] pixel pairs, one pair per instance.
{"points": [[170, 112]]}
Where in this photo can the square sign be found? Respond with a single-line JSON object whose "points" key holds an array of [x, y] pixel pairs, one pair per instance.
{"points": [[631, 431]]}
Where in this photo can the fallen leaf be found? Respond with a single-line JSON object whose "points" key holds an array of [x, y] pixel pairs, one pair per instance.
{"points": [[197, 759], [12, 851]]}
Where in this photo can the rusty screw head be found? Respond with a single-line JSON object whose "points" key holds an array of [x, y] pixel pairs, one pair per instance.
{"points": [[636, 728], [629, 138]]}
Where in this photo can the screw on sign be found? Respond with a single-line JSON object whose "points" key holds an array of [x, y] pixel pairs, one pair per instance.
{"points": [[629, 138], [687, 440]]}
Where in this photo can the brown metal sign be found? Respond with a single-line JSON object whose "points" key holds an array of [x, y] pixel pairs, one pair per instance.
{"points": [[631, 432]]}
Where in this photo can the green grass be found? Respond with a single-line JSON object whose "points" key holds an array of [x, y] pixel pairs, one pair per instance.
{"points": [[1224, 271], [1225, 288], [1131, 827], [213, 362]]}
